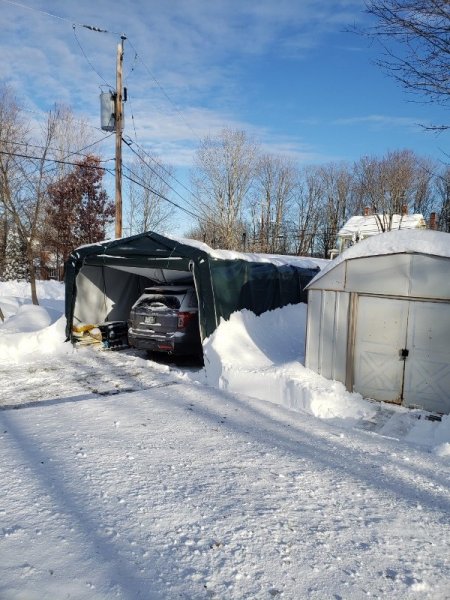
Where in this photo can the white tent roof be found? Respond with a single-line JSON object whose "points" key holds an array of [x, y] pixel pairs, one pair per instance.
{"points": [[365, 226], [411, 241]]}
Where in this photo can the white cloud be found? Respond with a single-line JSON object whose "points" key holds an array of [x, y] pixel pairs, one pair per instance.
{"points": [[192, 50], [187, 45], [381, 121], [175, 136]]}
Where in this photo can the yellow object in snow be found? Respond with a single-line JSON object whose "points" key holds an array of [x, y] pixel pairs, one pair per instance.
{"points": [[82, 327]]}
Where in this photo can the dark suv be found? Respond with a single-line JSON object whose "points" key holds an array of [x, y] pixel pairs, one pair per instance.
{"points": [[165, 319]]}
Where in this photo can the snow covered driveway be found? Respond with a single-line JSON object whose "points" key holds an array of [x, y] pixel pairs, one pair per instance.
{"points": [[83, 371], [177, 490]]}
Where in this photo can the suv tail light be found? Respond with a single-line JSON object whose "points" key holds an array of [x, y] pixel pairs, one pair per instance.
{"points": [[184, 318]]}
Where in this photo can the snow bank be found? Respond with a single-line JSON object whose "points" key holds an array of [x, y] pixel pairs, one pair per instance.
{"points": [[30, 330], [261, 357], [27, 318], [17, 347], [21, 289]]}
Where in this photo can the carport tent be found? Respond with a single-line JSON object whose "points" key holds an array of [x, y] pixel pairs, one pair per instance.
{"points": [[104, 280]]}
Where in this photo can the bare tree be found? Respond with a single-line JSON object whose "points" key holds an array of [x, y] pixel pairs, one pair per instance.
{"points": [[423, 189], [306, 212], [3, 236], [275, 184], [443, 187], [72, 136], [223, 175], [15, 178], [366, 184], [27, 168], [26, 203], [147, 187], [12, 129], [336, 184], [397, 183], [416, 41]]}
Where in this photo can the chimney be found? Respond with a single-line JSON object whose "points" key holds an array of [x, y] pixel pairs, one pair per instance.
{"points": [[433, 220], [404, 209], [367, 211]]}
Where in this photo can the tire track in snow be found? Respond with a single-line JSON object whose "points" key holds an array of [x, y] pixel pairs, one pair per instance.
{"points": [[87, 371]]}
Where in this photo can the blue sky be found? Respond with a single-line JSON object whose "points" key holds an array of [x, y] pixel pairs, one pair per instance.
{"points": [[285, 71]]}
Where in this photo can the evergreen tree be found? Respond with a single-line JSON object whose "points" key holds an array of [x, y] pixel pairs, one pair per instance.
{"points": [[3, 230], [15, 265]]}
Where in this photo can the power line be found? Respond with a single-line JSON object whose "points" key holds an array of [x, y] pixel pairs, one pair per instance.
{"points": [[84, 155], [210, 212], [74, 24], [127, 75], [177, 110], [50, 169], [86, 57], [77, 152], [151, 190], [94, 28], [151, 157], [110, 171], [52, 160], [140, 181], [42, 113], [204, 218], [156, 173], [136, 57], [160, 165], [71, 21], [132, 120]]}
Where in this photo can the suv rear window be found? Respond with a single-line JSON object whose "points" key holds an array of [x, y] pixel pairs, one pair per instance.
{"points": [[191, 300], [154, 301]]}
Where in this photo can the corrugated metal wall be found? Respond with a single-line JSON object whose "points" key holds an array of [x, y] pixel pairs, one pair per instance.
{"points": [[328, 318]]}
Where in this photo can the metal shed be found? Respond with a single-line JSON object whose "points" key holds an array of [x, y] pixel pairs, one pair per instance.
{"points": [[379, 319]]}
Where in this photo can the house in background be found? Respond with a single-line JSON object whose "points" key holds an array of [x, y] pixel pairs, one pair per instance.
{"points": [[360, 227]]}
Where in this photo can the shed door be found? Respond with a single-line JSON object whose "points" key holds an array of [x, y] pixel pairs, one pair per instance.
{"points": [[380, 335], [427, 368], [386, 326]]}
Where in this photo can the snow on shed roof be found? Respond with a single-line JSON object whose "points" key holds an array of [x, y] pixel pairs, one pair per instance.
{"points": [[410, 241], [369, 225]]}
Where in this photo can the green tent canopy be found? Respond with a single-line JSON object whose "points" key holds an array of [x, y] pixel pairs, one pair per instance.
{"points": [[104, 280]]}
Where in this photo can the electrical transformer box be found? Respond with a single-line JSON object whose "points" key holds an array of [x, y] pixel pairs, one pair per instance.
{"points": [[107, 111]]}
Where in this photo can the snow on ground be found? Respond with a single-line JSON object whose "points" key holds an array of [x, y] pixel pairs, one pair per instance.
{"points": [[269, 366], [125, 478]]}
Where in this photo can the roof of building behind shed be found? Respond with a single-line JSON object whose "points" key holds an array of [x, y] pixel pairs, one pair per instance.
{"points": [[369, 225]]}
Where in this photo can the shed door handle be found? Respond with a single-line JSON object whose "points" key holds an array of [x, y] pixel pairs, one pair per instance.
{"points": [[404, 353]]}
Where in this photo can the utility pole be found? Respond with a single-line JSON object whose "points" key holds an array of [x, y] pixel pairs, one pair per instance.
{"points": [[119, 128]]}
